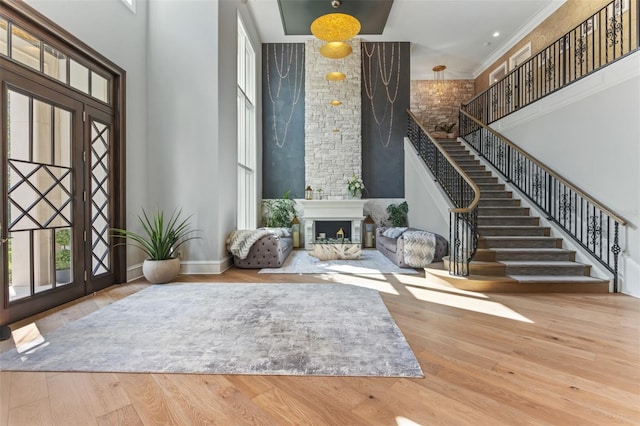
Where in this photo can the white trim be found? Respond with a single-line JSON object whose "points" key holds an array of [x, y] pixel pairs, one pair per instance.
{"points": [[194, 267], [612, 75], [131, 5], [134, 272], [502, 67], [512, 58], [524, 31], [189, 267]]}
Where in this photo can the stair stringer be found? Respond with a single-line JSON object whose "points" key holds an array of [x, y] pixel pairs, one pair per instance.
{"points": [[582, 256], [430, 212]]}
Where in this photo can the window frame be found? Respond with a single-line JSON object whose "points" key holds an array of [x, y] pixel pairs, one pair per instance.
{"points": [[247, 216]]}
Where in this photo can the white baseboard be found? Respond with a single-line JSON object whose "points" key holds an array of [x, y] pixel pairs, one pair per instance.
{"points": [[206, 266], [134, 272], [629, 276], [188, 267]]}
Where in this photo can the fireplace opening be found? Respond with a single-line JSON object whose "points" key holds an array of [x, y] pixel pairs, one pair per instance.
{"points": [[326, 229]]}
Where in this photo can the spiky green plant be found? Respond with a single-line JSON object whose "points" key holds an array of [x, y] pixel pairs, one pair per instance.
{"points": [[161, 238]]}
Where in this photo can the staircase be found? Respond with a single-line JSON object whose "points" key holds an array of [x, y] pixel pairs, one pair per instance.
{"points": [[515, 253]]}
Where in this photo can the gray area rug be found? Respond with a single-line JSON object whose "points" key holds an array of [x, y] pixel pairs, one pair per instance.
{"points": [[270, 329], [370, 262]]}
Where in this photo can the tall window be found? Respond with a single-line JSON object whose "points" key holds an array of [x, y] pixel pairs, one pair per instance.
{"points": [[247, 216]]}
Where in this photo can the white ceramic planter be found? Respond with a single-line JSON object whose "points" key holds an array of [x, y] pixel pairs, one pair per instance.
{"points": [[161, 271]]}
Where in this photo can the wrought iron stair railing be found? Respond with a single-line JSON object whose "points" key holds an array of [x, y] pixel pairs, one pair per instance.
{"points": [[605, 37], [593, 226], [462, 191]]}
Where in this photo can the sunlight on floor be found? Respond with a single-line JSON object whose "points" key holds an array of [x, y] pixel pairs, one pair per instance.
{"points": [[403, 421], [424, 283], [372, 281], [468, 303], [27, 337]]}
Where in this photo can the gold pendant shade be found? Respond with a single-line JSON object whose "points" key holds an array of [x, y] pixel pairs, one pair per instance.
{"points": [[336, 76], [335, 27], [336, 50]]}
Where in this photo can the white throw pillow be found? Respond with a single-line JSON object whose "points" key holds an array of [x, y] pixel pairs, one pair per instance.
{"points": [[394, 232]]}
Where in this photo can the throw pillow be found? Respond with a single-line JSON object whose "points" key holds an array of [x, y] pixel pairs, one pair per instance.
{"points": [[280, 232], [394, 232]]}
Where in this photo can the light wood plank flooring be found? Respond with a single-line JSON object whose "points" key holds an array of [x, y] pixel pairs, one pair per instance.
{"points": [[489, 359]]}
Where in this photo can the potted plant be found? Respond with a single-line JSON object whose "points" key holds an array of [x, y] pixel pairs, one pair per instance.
{"points": [[398, 214], [447, 128], [63, 256], [160, 242], [279, 213]]}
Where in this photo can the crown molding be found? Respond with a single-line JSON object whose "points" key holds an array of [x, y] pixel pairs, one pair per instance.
{"points": [[526, 29]]}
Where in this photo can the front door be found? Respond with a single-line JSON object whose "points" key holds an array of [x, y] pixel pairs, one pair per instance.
{"points": [[43, 216]]}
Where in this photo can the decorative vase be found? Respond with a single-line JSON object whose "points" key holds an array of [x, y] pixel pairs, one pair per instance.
{"points": [[161, 271], [354, 196]]}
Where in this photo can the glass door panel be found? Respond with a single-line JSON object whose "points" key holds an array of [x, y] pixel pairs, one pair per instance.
{"points": [[99, 206], [41, 221]]}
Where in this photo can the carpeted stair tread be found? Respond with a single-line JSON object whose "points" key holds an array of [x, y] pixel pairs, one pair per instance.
{"points": [[496, 230], [534, 254], [503, 211], [549, 263], [556, 279], [523, 241], [509, 220], [546, 267], [498, 193], [499, 202]]}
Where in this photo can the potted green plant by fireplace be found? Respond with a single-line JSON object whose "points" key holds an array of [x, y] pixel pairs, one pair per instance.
{"points": [[279, 212], [63, 256], [398, 214], [160, 242]]}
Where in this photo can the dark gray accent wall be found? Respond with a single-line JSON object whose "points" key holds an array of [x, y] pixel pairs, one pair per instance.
{"points": [[385, 99], [283, 119]]}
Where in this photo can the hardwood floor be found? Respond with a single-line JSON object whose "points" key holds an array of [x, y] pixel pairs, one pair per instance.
{"points": [[489, 359]]}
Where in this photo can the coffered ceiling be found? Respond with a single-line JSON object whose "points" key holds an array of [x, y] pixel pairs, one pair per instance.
{"points": [[297, 15], [456, 33]]}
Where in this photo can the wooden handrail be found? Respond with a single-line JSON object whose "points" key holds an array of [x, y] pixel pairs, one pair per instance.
{"points": [[472, 184], [551, 172]]}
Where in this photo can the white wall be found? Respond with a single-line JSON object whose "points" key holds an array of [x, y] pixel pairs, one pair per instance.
{"points": [[183, 116], [590, 134], [428, 204], [107, 27], [180, 59], [192, 119]]}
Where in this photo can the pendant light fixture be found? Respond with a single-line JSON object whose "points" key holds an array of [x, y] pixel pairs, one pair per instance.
{"points": [[335, 27], [336, 50], [438, 78], [336, 76]]}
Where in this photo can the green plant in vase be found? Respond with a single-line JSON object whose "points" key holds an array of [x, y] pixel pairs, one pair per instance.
{"points": [[279, 212], [160, 242], [355, 186]]}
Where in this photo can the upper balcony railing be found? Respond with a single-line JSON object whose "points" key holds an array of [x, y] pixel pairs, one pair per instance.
{"points": [[603, 38]]}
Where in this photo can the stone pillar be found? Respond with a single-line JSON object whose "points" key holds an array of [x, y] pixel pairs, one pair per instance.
{"points": [[333, 136]]}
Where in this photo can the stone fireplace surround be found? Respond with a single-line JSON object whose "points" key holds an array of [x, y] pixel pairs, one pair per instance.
{"points": [[331, 210]]}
